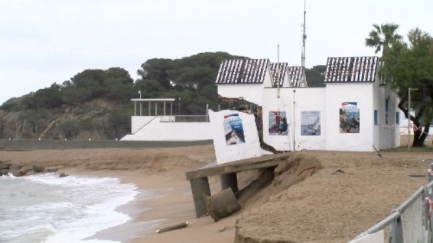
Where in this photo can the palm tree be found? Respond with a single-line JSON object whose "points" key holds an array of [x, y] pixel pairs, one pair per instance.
{"points": [[382, 37]]}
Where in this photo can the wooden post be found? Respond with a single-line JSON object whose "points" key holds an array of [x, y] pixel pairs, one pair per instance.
{"points": [[172, 227]]}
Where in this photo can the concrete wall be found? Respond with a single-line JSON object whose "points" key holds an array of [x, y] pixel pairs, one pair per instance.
{"points": [[158, 130], [228, 153], [138, 122], [389, 129], [336, 94], [79, 144]]}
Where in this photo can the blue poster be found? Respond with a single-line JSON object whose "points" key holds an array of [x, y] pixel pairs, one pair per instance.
{"points": [[233, 129]]}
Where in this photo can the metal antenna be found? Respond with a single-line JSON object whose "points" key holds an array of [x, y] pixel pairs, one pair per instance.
{"points": [[304, 38], [278, 71]]}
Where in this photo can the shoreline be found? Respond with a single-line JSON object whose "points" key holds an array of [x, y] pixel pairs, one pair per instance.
{"points": [[280, 212], [170, 203], [139, 225]]}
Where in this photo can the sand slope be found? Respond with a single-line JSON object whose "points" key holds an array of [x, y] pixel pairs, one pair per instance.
{"points": [[321, 208]]}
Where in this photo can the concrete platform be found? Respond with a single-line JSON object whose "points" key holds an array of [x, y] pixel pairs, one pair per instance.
{"points": [[213, 169]]}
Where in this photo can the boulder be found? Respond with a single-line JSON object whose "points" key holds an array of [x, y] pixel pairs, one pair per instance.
{"points": [[24, 171], [38, 168], [15, 167], [15, 172], [4, 172], [4, 165], [63, 174], [51, 169]]}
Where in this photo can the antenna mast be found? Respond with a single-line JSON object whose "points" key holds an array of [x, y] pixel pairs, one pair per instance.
{"points": [[304, 38]]}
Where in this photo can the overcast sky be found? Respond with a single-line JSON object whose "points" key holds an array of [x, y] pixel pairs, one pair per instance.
{"points": [[49, 41]]}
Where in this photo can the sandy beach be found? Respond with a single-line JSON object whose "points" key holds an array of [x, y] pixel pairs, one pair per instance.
{"points": [[323, 206]]}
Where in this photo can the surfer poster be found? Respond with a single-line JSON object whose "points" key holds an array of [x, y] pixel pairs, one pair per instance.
{"points": [[349, 117], [233, 129], [278, 123]]}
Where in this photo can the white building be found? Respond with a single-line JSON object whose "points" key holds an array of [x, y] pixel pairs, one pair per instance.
{"points": [[354, 112]]}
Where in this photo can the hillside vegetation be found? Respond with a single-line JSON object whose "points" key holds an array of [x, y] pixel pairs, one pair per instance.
{"points": [[96, 103]]}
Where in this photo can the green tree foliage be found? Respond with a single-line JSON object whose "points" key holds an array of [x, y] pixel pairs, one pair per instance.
{"points": [[119, 120], [69, 129], [37, 119], [316, 76], [149, 88], [382, 37], [410, 65]]}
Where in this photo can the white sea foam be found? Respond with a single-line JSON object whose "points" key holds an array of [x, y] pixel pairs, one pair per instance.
{"points": [[46, 208]]}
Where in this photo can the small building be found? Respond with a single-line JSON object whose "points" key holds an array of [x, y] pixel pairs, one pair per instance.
{"points": [[353, 112]]}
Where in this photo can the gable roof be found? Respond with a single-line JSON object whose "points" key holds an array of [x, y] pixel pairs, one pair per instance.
{"points": [[351, 69], [295, 73], [278, 71], [242, 71]]}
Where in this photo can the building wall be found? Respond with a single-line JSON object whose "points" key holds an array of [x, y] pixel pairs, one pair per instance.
{"points": [[138, 122], [336, 94], [389, 130], [155, 130], [249, 92], [229, 153], [294, 104], [379, 105]]}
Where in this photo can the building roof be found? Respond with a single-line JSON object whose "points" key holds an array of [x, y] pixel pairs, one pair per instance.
{"points": [[242, 71], [278, 72], [295, 73], [351, 69]]}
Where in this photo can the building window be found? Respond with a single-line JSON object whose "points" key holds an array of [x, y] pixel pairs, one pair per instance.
{"points": [[375, 117], [397, 118]]}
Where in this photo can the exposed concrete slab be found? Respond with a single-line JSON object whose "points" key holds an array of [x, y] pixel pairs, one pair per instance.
{"points": [[237, 166]]}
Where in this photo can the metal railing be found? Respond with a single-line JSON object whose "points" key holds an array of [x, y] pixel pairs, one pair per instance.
{"points": [[412, 220], [187, 118]]}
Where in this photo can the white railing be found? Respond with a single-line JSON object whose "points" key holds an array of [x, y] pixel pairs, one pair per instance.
{"points": [[411, 222]]}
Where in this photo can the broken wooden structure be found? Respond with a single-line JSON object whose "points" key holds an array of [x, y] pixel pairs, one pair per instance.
{"points": [[199, 178]]}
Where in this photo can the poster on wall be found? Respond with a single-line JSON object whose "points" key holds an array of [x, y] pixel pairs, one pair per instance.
{"points": [[349, 117], [278, 123], [233, 129], [310, 123]]}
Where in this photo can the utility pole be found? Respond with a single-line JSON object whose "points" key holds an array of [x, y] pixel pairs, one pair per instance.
{"points": [[408, 118]]}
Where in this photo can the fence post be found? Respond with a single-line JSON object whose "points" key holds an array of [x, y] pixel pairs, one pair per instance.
{"points": [[430, 176], [396, 231], [426, 208], [430, 236]]}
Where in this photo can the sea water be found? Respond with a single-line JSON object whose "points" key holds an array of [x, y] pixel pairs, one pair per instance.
{"points": [[46, 208]]}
